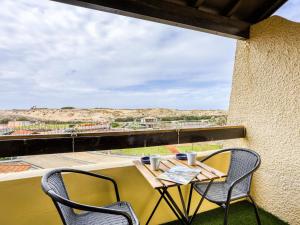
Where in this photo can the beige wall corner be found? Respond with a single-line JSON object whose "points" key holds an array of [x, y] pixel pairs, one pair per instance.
{"points": [[265, 99]]}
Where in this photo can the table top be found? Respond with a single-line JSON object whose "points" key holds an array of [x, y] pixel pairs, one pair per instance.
{"points": [[207, 173]]}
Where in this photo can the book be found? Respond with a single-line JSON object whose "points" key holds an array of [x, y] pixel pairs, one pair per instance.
{"points": [[179, 174]]}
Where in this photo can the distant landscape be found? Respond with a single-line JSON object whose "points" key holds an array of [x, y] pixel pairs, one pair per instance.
{"points": [[69, 119]]}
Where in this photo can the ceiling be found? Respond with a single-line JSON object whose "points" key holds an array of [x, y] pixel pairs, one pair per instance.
{"points": [[230, 18]]}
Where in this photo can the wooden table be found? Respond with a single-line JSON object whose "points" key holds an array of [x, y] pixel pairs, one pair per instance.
{"points": [[207, 174]]}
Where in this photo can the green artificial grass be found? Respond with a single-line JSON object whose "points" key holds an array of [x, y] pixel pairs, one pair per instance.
{"points": [[163, 150], [198, 148], [240, 213]]}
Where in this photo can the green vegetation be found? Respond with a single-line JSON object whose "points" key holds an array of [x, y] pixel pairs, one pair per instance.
{"points": [[163, 150], [62, 122], [46, 126], [68, 107], [7, 158], [4, 120], [239, 213], [190, 118], [125, 119], [115, 125], [50, 125], [219, 120], [198, 148], [22, 118]]}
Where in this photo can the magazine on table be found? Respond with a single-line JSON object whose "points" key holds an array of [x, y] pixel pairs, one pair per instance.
{"points": [[179, 174]]}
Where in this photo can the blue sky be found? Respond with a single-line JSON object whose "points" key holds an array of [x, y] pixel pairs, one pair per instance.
{"points": [[55, 55]]}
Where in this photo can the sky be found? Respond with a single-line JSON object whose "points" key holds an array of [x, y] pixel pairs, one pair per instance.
{"points": [[54, 55]]}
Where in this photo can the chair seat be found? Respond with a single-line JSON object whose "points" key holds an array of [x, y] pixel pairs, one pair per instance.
{"points": [[218, 192], [95, 218]]}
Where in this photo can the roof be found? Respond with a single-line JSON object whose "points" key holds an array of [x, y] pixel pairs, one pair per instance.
{"points": [[22, 132], [231, 18], [13, 167]]}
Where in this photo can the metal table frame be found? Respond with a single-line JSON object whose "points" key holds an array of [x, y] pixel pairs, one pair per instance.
{"points": [[183, 209], [182, 215]]}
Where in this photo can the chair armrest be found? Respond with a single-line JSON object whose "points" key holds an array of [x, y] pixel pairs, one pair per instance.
{"points": [[88, 208], [97, 176], [215, 153]]}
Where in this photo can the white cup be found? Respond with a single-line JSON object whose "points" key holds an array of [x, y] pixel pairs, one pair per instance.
{"points": [[191, 158], [154, 162]]}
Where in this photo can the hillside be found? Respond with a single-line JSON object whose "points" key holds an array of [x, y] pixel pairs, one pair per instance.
{"points": [[99, 114]]}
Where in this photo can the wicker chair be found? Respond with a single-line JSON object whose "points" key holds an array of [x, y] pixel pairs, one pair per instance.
{"points": [[115, 214], [237, 184]]}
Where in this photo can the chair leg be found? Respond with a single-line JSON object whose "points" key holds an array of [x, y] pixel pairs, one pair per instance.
{"points": [[255, 210], [226, 214]]}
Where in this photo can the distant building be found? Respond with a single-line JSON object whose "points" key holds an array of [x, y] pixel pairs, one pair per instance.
{"points": [[3, 126], [103, 125], [149, 122], [22, 132], [6, 131], [11, 167], [12, 124]]}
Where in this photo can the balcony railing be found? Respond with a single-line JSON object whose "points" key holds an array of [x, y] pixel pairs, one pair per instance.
{"points": [[128, 177], [75, 142]]}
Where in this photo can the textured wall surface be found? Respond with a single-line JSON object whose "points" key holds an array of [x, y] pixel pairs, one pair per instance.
{"points": [[266, 99]]}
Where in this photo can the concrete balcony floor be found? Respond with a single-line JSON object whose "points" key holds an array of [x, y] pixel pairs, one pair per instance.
{"points": [[240, 213]]}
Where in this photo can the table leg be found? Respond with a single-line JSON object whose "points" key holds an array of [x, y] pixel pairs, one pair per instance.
{"points": [[200, 203], [183, 219], [153, 211], [162, 196], [182, 202], [190, 199], [172, 208]]}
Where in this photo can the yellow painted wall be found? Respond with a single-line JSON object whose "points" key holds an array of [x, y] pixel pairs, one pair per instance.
{"points": [[24, 203], [265, 99]]}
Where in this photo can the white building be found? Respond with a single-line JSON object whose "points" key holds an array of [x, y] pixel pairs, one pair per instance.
{"points": [[149, 122], [12, 124]]}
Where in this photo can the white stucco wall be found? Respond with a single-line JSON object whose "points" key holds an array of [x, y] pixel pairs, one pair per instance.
{"points": [[266, 99]]}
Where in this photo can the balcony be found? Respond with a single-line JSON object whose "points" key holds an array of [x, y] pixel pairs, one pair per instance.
{"points": [[263, 116], [22, 194]]}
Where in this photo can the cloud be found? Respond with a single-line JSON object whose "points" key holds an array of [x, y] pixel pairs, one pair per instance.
{"points": [[53, 55], [290, 10]]}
